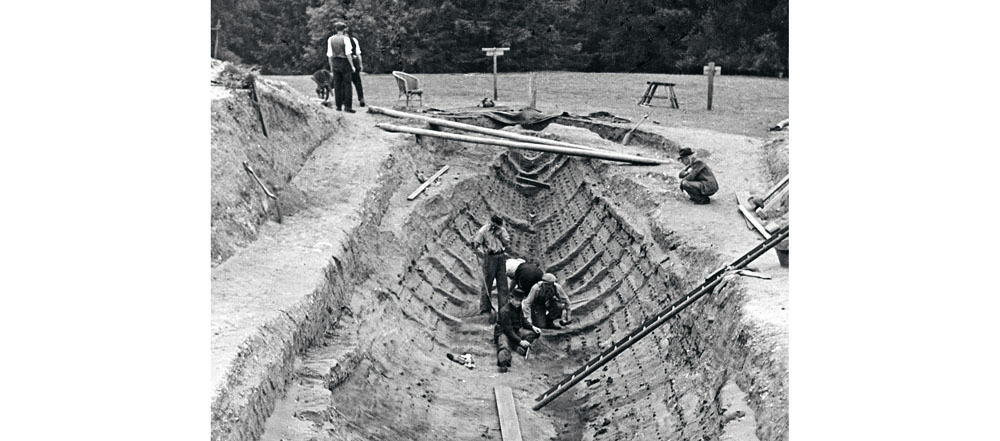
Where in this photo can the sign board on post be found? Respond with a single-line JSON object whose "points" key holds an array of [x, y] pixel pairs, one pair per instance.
{"points": [[718, 70], [495, 52]]}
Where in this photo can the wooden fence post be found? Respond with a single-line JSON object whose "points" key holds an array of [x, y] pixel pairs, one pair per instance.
{"points": [[531, 90], [711, 77], [218, 30]]}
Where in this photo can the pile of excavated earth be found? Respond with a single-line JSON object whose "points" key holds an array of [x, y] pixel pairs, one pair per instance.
{"points": [[336, 299]]}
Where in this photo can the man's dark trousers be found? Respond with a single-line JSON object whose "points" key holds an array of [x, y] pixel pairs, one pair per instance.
{"points": [[356, 79], [504, 344], [544, 314], [696, 191], [342, 95], [494, 269]]}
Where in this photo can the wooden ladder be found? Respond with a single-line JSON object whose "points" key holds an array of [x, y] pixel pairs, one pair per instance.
{"points": [[659, 319]]}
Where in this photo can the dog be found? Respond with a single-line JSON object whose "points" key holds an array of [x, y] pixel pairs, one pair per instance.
{"points": [[324, 83]]}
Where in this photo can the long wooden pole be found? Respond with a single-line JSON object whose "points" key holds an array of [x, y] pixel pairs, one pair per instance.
{"points": [[477, 129], [522, 145], [494, 76]]}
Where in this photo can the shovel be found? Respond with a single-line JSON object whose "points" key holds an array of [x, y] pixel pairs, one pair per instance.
{"points": [[628, 136]]}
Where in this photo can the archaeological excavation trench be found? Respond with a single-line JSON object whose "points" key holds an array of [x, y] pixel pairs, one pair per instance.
{"points": [[366, 356]]}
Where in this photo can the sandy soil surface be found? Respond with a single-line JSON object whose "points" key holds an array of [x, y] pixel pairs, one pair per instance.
{"points": [[431, 394]]}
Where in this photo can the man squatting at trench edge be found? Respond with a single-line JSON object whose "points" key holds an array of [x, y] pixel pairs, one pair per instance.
{"points": [[697, 179]]}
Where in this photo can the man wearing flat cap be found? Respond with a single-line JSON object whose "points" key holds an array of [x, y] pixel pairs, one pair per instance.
{"points": [[547, 305], [338, 50], [697, 179]]}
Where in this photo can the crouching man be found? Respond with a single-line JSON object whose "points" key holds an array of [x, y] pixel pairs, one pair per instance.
{"points": [[522, 276], [547, 305], [512, 331], [697, 179]]}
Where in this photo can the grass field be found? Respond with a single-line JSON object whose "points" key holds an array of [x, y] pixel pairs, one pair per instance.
{"points": [[740, 105]]}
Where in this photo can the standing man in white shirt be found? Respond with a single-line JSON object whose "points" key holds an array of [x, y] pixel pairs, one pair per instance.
{"points": [[338, 50], [490, 243]]}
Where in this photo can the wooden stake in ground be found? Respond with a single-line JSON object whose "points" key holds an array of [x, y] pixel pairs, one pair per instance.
{"points": [[711, 78], [495, 52], [531, 90], [255, 99], [218, 31]]}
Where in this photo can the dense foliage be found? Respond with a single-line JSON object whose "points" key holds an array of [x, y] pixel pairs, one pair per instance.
{"points": [[747, 37]]}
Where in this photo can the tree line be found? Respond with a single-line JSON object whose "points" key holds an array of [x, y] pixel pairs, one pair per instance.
{"points": [[746, 37]]}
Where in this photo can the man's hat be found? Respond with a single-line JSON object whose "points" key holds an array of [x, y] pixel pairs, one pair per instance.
{"points": [[496, 219], [549, 277], [686, 151]]}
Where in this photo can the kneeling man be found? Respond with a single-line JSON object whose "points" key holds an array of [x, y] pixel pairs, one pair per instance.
{"points": [[547, 305], [512, 331], [697, 179]]}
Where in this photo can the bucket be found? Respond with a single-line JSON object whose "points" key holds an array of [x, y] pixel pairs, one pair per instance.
{"points": [[782, 257], [782, 249]]}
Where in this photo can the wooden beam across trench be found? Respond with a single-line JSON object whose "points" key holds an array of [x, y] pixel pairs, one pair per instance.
{"points": [[639, 160]]}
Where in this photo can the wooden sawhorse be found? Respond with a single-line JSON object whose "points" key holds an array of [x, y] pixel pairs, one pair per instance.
{"points": [[651, 86]]}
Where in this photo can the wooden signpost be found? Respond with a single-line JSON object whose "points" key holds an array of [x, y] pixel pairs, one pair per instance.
{"points": [[495, 52], [711, 76]]}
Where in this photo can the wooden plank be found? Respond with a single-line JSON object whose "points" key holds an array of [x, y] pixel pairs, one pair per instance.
{"points": [[510, 430], [427, 183], [755, 222], [743, 199], [530, 181], [745, 272]]}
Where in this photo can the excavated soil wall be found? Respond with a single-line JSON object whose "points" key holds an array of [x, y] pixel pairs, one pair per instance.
{"points": [[239, 206], [266, 360]]}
